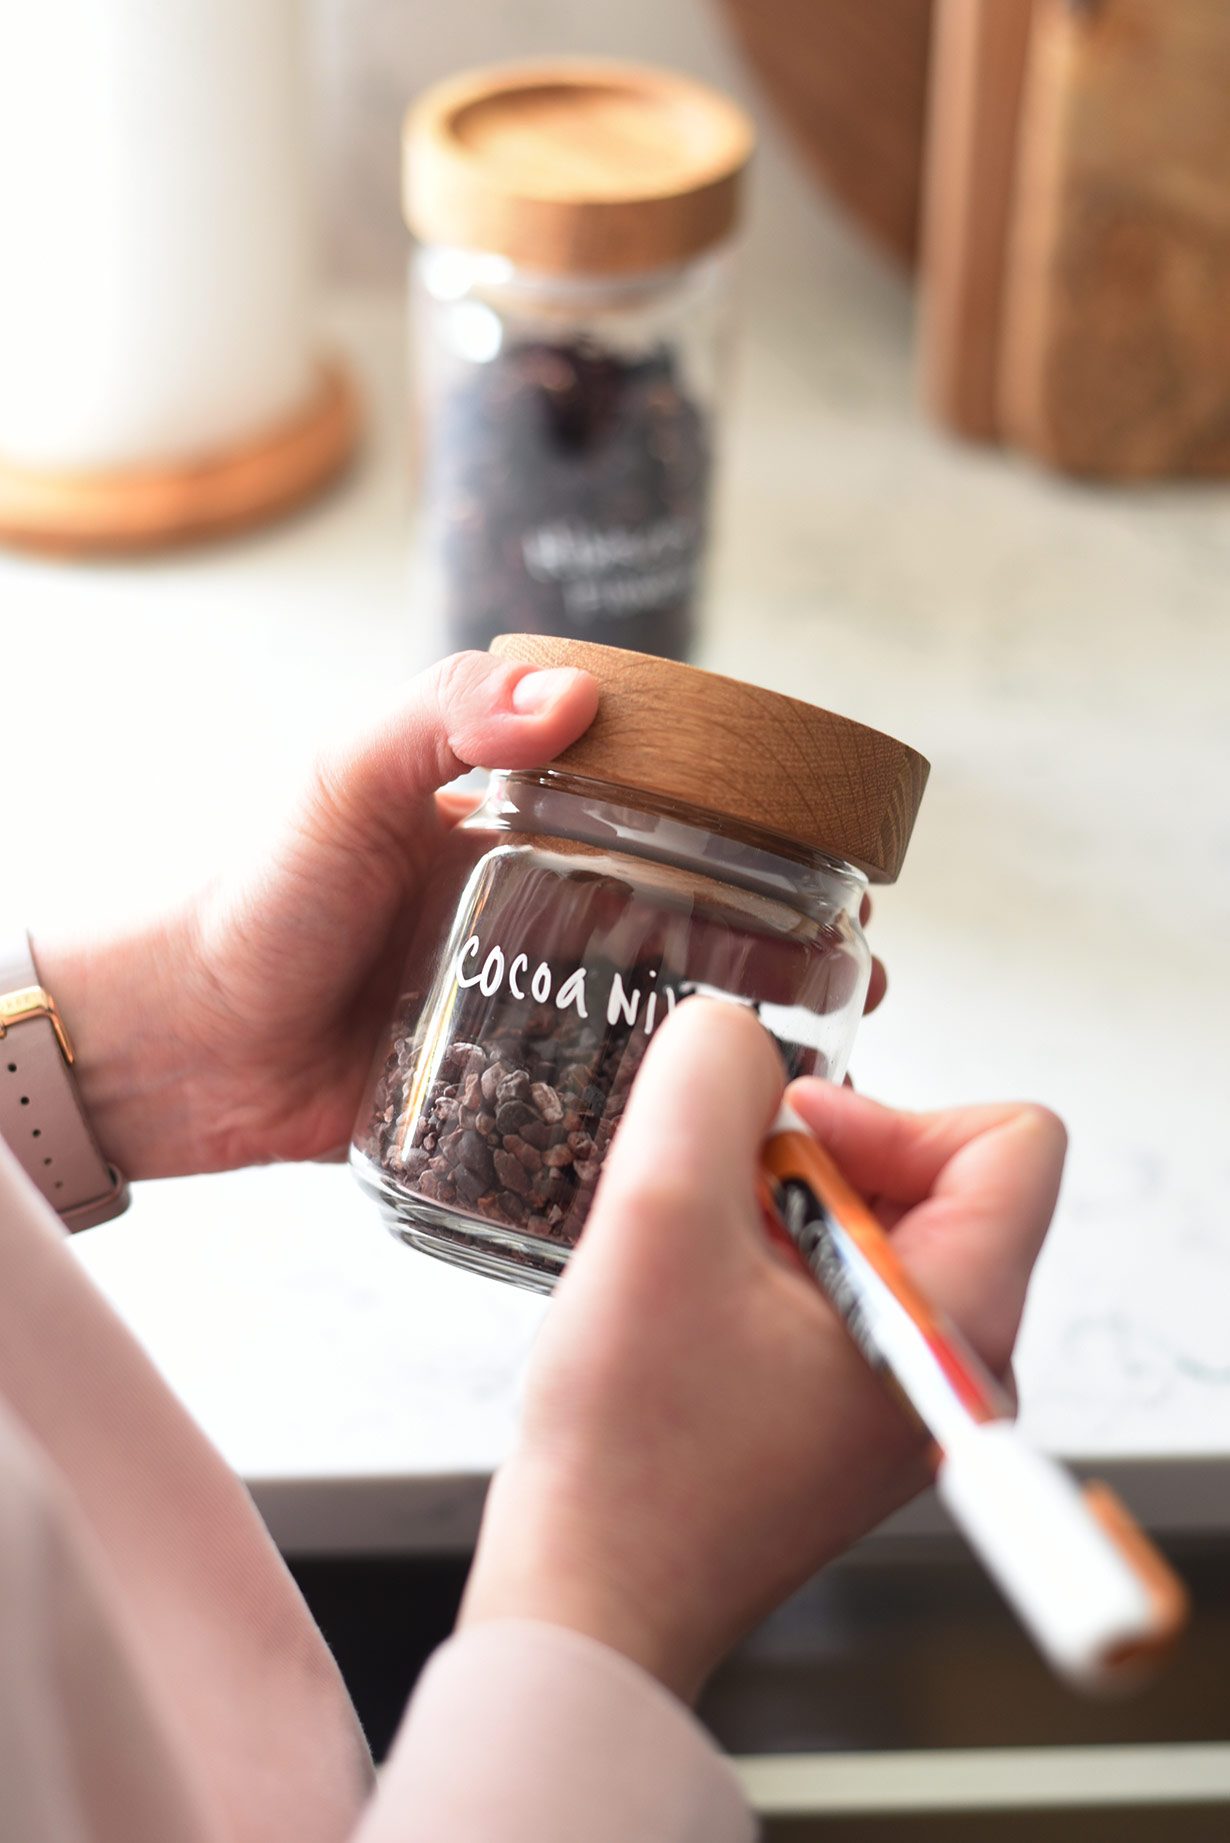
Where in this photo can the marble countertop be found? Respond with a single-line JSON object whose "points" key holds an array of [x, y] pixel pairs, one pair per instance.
{"points": [[1062, 655]]}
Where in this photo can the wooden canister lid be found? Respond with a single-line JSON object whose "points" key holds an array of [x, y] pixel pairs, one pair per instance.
{"points": [[575, 168], [753, 756]]}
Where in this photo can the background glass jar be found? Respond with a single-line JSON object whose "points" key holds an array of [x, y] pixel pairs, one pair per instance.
{"points": [[565, 920], [570, 293]]}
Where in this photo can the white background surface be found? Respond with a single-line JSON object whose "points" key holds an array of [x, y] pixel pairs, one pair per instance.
{"points": [[1060, 931]]}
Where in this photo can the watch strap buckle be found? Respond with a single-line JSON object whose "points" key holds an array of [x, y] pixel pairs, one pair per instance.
{"points": [[34, 1001]]}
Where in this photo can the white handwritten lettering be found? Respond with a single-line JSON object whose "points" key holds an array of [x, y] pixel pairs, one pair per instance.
{"points": [[622, 1003], [571, 989], [572, 992]]}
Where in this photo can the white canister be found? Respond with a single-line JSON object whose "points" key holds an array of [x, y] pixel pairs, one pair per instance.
{"points": [[156, 244]]}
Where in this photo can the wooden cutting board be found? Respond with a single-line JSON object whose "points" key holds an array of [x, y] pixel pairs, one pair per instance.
{"points": [[1115, 343], [978, 57], [849, 78]]}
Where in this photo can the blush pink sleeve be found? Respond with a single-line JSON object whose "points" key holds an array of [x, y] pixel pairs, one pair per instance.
{"points": [[201, 1613], [521, 1732]]}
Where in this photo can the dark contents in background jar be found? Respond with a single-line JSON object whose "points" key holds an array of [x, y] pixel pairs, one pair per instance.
{"points": [[568, 489]]}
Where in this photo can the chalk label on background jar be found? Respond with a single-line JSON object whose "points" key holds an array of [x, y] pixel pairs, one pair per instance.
{"points": [[620, 1001], [617, 570]]}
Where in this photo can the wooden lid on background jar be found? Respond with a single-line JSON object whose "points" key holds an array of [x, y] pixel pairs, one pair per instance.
{"points": [[575, 168], [753, 756]]}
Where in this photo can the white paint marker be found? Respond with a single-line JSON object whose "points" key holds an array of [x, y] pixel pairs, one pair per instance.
{"points": [[1098, 1599]]}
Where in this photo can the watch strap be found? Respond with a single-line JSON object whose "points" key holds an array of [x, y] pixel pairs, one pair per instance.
{"points": [[42, 1119]]}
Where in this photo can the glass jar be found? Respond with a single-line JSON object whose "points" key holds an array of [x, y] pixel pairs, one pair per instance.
{"points": [[569, 915], [570, 289]]}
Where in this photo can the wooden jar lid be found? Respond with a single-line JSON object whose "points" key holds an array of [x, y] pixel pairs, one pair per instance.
{"points": [[575, 168], [736, 750]]}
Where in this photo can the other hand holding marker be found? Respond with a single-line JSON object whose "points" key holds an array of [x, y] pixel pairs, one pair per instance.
{"points": [[1096, 1596]]}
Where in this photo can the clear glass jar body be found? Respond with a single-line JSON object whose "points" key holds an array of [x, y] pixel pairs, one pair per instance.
{"points": [[564, 921], [565, 451]]}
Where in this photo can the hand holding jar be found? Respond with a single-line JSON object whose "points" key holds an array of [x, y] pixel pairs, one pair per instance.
{"points": [[237, 1028], [700, 1435]]}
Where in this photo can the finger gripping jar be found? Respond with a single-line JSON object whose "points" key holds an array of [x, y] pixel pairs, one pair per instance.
{"points": [[704, 836], [569, 288]]}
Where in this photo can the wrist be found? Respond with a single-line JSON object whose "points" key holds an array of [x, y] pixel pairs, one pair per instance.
{"points": [[534, 1561], [576, 1606], [116, 996]]}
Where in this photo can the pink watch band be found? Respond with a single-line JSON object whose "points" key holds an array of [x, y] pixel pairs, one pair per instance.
{"points": [[41, 1116]]}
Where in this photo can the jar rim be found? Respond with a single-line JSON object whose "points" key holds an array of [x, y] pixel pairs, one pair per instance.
{"points": [[682, 812], [492, 269]]}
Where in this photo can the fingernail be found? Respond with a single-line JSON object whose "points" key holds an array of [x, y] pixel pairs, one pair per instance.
{"points": [[537, 691]]}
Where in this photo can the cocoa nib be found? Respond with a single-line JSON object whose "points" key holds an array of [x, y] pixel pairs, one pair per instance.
{"points": [[547, 1101], [512, 1116], [512, 1173]]}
